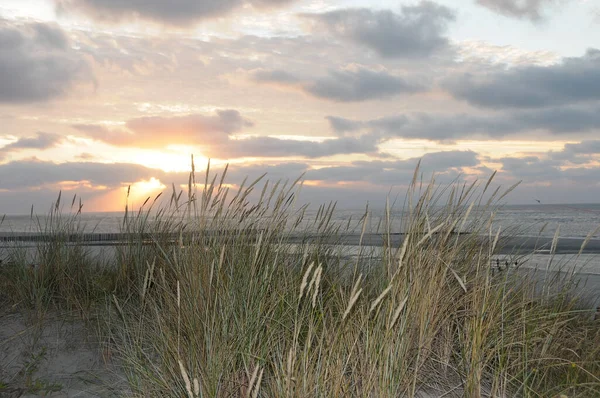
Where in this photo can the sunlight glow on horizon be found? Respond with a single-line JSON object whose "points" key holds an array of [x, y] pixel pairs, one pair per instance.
{"points": [[116, 199], [166, 161], [142, 190]]}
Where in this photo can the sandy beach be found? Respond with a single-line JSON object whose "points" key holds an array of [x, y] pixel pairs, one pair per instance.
{"points": [[56, 356]]}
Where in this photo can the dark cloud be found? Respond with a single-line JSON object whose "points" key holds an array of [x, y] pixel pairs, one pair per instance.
{"points": [[560, 120], [174, 12], [354, 184], [275, 147], [25, 174], [341, 125], [574, 80], [158, 131], [580, 153], [360, 85], [34, 182], [290, 171], [354, 84], [587, 147], [37, 181], [37, 64], [584, 175], [399, 171], [349, 193], [449, 159], [524, 9], [575, 163], [416, 32], [439, 127], [550, 171], [41, 140], [50, 36], [532, 168], [41, 192]]}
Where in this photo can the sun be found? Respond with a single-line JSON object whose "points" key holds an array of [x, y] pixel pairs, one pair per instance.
{"points": [[148, 186], [143, 189]]}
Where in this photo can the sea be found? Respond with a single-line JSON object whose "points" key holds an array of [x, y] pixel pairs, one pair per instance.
{"points": [[571, 222]]}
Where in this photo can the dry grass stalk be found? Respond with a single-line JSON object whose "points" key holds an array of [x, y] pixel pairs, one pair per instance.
{"points": [[217, 288]]}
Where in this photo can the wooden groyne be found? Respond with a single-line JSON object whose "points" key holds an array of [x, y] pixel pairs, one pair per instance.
{"points": [[115, 238]]}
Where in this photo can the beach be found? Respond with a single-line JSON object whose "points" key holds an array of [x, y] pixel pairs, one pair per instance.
{"points": [[79, 312]]}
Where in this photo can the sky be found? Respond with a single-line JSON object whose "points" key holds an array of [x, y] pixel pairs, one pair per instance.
{"points": [[100, 95]]}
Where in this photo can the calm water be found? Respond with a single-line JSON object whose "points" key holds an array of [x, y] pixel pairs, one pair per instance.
{"points": [[574, 220]]}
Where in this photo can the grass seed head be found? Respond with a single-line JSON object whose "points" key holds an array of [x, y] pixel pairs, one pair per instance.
{"points": [[380, 298], [317, 279], [186, 380], [305, 280], [353, 300]]}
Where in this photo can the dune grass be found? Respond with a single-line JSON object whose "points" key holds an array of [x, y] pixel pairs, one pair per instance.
{"points": [[231, 308]]}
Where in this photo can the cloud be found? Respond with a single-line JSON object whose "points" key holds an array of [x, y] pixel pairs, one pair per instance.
{"points": [[40, 141], [552, 181], [586, 147], [449, 159], [523, 9], [354, 84], [32, 174], [275, 147], [174, 12], [159, 131], [580, 153], [416, 32], [563, 121], [360, 85], [448, 163], [41, 192], [574, 80], [215, 135], [575, 163], [274, 76], [342, 125], [50, 36], [225, 121], [532, 168], [279, 171], [37, 63], [24, 174], [351, 186], [25, 183], [37, 182]]}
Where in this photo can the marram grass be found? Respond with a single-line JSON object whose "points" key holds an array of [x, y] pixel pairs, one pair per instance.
{"points": [[232, 309]]}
